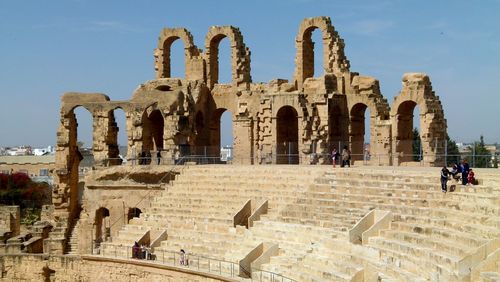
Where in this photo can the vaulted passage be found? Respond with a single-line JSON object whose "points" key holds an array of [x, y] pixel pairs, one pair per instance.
{"points": [[133, 213], [404, 138], [338, 123], [359, 131], [102, 225], [152, 131], [287, 136]]}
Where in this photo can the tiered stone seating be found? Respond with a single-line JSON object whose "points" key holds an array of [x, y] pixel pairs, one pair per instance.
{"points": [[432, 232], [311, 210]]}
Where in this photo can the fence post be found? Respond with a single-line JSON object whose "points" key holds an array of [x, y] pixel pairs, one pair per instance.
{"points": [[445, 152], [474, 155]]}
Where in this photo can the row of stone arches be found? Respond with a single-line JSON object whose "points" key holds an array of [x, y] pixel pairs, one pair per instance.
{"points": [[205, 65], [210, 133]]}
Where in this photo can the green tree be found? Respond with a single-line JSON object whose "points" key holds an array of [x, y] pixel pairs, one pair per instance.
{"points": [[416, 145], [482, 156], [452, 150]]}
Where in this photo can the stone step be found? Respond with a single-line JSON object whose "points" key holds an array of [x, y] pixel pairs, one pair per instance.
{"points": [[420, 255], [438, 244], [445, 234]]}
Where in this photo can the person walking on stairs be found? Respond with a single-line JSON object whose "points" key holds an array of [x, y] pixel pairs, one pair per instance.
{"points": [[444, 179]]}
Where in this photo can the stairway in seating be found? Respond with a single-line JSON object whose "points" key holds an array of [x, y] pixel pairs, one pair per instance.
{"points": [[72, 243]]}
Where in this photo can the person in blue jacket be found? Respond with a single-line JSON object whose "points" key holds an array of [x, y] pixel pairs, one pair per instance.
{"points": [[465, 171]]}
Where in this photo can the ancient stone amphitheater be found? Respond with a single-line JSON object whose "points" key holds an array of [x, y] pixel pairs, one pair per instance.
{"points": [[277, 213]]}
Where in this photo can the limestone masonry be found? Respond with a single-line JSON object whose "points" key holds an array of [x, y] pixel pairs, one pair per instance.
{"points": [[259, 217]]}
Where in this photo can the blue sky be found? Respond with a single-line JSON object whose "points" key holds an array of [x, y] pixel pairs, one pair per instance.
{"points": [[51, 47]]}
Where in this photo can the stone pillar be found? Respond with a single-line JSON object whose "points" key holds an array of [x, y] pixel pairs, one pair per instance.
{"points": [[101, 131], [243, 139]]}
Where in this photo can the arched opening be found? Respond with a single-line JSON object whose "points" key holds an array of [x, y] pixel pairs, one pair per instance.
{"points": [[317, 44], [287, 136], [409, 146], [133, 212], [177, 59], [220, 62], [360, 132], [120, 137], [312, 53], [152, 135], [202, 134], [174, 61], [221, 135], [226, 136], [338, 124], [102, 225], [83, 121]]}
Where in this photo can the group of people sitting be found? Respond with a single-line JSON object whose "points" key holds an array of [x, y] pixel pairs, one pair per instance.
{"points": [[142, 252], [458, 172]]}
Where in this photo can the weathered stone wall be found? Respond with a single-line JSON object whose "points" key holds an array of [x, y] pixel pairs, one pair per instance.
{"points": [[44, 268], [10, 220], [302, 119]]}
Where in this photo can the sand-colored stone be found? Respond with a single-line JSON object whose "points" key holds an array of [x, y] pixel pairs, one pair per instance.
{"points": [[310, 209]]}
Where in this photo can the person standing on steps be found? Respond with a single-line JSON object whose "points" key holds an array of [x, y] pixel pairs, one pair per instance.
{"points": [[346, 157], [335, 156], [465, 171], [444, 179], [158, 156]]}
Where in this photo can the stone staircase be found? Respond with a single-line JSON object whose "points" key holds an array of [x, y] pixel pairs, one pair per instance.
{"points": [[72, 243]]}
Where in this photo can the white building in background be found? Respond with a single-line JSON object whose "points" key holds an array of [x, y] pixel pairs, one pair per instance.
{"points": [[19, 151], [43, 151], [226, 153]]}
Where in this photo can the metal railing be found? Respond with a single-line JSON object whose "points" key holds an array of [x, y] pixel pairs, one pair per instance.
{"points": [[326, 159], [194, 262]]}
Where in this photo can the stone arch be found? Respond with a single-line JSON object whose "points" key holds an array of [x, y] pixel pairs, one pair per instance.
{"points": [[68, 175], [334, 59], [102, 225], [357, 129], [417, 90], [338, 122], [240, 55], [287, 135], [152, 130], [214, 124], [114, 129], [133, 213], [191, 53]]}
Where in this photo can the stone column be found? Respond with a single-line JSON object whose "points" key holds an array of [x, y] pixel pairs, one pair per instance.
{"points": [[243, 140]]}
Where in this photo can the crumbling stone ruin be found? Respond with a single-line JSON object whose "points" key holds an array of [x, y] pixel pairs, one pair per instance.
{"points": [[303, 118]]}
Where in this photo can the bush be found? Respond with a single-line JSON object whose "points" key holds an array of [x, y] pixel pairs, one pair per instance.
{"points": [[30, 216]]}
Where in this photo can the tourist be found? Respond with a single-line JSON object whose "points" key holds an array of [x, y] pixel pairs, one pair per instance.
{"points": [[455, 171], [183, 260], [136, 250], [147, 157], [335, 156], [464, 167], [470, 178], [158, 156], [346, 157], [444, 179]]}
